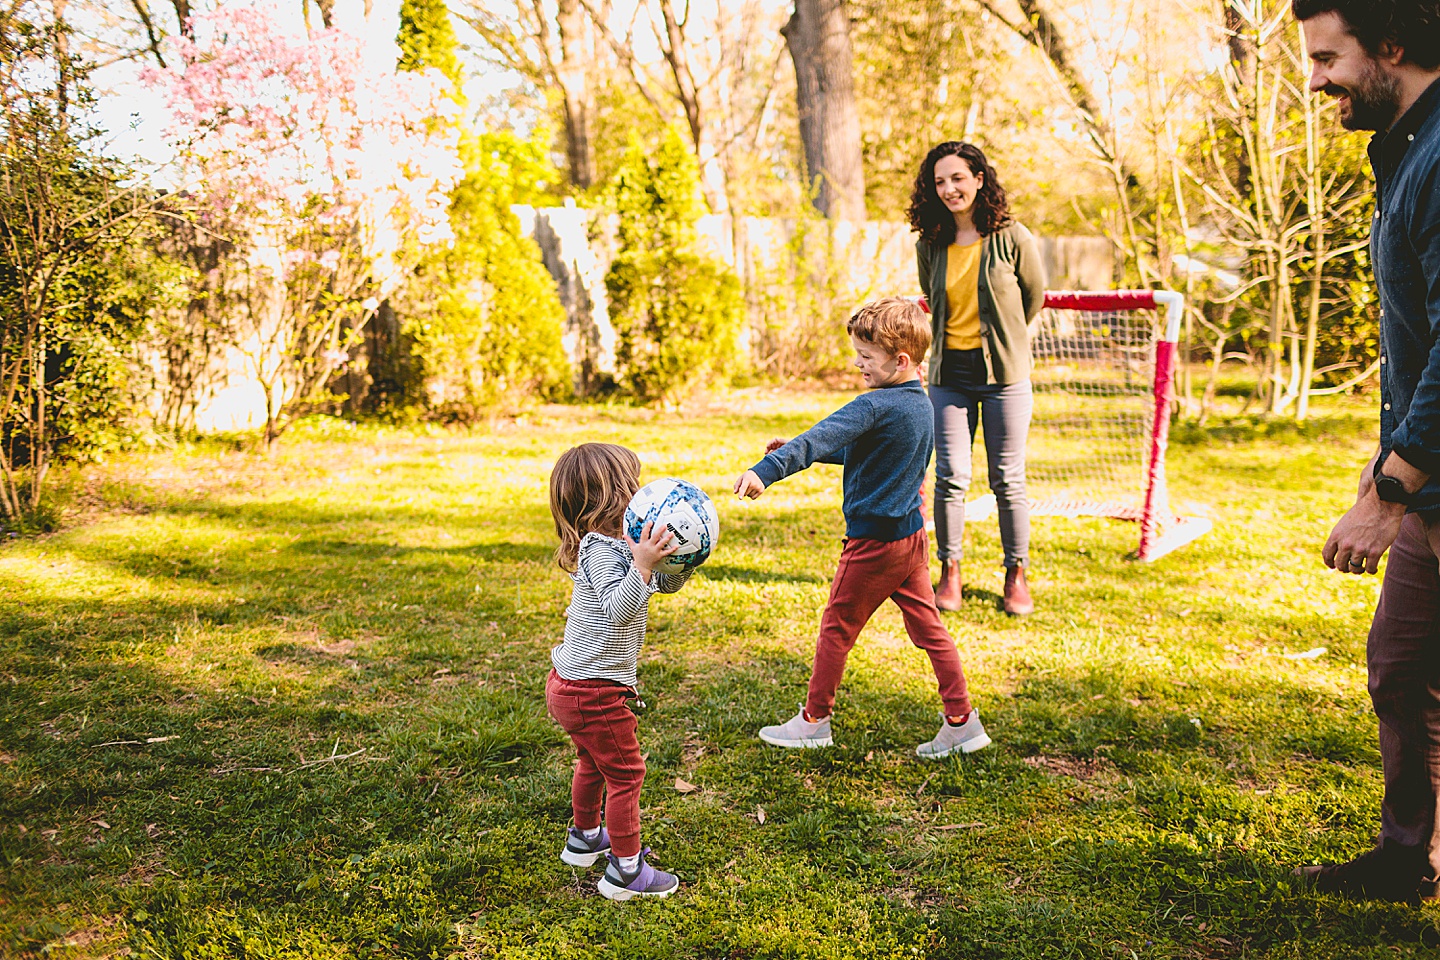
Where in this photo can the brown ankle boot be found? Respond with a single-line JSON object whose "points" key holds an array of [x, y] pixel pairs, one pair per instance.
{"points": [[1017, 593], [947, 591]]}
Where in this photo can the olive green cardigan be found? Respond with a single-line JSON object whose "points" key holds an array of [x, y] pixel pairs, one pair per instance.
{"points": [[1012, 291]]}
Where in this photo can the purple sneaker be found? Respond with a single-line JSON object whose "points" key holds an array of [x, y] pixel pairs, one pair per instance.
{"points": [[646, 881], [580, 852]]}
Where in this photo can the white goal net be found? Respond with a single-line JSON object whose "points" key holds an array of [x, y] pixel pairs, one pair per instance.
{"points": [[1103, 377]]}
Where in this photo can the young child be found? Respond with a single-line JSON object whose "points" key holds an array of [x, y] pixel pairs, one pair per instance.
{"points": [[884, 439], [593, 669]]}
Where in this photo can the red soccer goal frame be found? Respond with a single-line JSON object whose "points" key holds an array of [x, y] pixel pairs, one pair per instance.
{"points": [[1161, 530]]}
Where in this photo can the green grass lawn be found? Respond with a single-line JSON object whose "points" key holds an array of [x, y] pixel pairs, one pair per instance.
{"points": [[293, 707]]}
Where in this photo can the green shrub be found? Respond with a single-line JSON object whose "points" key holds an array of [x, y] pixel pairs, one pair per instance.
{"points": [[483, 316], [676, 311]]}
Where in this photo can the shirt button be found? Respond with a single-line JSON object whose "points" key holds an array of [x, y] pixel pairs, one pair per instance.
{"points": [[1387, 406], [1410, 137], [1383, 359]]}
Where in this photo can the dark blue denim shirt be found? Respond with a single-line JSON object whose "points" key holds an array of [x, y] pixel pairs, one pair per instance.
{"points": [[884, 439], [1405, 249]]}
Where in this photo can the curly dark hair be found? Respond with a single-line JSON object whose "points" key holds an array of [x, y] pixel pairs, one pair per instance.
{"points": [[930, 218], [1411, 25]]}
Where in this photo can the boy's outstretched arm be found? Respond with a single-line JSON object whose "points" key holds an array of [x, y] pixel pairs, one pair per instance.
{"points": [[826, 442]]}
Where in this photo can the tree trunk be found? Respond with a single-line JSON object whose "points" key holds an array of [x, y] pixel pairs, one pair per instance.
{"points": [[1279, 315], [576, 59], [712, 177], [182, 14], [39, 440], [818, 37], [62, 62], [1315, 209], [1239, 32]]}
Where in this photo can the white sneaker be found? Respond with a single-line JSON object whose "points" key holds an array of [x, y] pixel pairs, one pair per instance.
{"points": [[965, 738], [798, 732]]}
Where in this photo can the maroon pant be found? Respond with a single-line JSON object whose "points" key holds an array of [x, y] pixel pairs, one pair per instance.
{"points": [[610, 769], [869, 572], [1403, 655]]}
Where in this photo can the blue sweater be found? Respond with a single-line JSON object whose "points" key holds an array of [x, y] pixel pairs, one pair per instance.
{"points": [[884, 439]]}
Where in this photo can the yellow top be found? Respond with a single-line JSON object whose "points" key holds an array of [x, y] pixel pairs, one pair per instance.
{"points": [[962, 296]]}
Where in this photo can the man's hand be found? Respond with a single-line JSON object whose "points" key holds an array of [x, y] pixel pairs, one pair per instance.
{"points": [[775, 444], [749, 485], [653, 546], [1363, 535]]}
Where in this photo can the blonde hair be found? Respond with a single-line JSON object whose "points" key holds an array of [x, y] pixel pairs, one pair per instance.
{"points": [[590, 488], [895, 325]]}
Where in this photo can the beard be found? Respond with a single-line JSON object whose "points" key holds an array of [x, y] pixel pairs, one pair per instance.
{"points": [[1371, 103]]}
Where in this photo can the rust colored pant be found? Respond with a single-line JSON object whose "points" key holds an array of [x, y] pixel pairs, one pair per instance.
{"points": [[609, 770], [1403, 656], [871, 571]]}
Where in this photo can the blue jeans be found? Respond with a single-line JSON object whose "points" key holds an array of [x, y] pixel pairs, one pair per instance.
{"points": [[962, 403]]}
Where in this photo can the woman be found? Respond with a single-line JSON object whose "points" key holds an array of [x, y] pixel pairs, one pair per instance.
{"points": [[982, 274]]}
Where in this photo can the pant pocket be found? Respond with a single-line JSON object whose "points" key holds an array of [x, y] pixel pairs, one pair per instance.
{"points": [[565, 710]]}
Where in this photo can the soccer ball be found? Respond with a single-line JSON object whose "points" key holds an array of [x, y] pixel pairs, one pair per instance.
{"points": [[686, 511]]}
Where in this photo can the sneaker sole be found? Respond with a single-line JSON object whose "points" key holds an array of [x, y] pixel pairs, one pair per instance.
{"points": [[609, 891], [582, 859], [969, 746], [797, 744]]}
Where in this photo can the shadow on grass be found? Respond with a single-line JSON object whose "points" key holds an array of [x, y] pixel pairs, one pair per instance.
{"points": [[733, 574]]}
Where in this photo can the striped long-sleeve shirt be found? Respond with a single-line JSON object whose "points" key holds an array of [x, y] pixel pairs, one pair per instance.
{"points": [[605, 623]]}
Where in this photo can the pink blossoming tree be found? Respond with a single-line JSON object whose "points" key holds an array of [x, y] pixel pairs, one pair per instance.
{"points": [[329, 176]]}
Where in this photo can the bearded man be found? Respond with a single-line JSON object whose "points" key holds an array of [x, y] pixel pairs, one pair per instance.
{"points": [[1381, 60]]}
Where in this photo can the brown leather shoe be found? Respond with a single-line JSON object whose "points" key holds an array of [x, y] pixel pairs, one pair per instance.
{"points": [[947, 591], [1378, 874], [1017, 593]]}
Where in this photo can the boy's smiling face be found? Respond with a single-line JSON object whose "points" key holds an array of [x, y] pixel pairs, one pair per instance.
{"points": [[879, 368]]}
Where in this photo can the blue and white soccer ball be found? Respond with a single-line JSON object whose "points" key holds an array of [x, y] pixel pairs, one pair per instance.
{"points": [[686, 511]]}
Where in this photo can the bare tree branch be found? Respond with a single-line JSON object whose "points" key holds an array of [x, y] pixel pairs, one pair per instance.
{"points": [[144, 13]]}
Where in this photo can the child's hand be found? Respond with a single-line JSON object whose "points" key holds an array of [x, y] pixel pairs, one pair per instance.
{"points": [[653, 546], [749, 485], [775, 444]]}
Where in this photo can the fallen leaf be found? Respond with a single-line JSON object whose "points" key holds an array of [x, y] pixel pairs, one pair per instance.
{"points": [[101, 824], [1201, 928], [685, 786], [1224, 941], [869, 755], [160, 739], [151, 830], [961, 826], [1314, 653], [760, 814], [1132, 701]]}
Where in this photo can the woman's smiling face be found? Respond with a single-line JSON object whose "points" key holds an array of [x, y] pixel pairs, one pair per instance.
{"points": [[956, 184]]}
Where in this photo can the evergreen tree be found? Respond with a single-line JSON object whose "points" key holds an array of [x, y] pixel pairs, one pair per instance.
{"points": [[676, 310], [427, 39], [481, 317]]}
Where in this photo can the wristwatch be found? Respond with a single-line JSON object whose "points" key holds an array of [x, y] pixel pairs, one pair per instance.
{"points": [[1391, 490]]}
